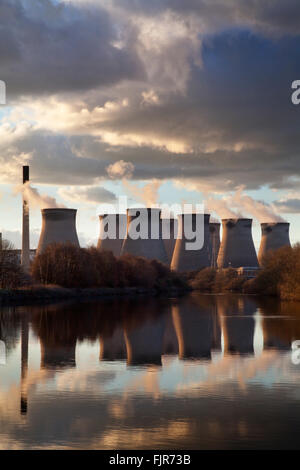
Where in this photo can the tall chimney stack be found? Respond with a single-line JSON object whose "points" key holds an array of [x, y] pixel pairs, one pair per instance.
{"points": [[25, 258]]}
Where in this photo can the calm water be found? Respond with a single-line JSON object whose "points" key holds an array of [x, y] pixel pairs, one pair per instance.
{"points": [[200, 372]]}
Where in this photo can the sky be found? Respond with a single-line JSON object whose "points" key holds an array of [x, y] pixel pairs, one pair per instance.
{"points": [[163, 101]]}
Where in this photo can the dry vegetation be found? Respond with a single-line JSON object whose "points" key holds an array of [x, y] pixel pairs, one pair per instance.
{"points": [[11, 274], [68, 266], [279, 276]]}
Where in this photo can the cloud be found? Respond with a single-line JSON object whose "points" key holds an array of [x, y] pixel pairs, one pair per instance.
{"points": [[288, 206], [120, 169], [55, 47], [87, 194], [195, 91]]}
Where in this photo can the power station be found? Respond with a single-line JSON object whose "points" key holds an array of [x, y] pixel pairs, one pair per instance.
{"points": [[237, 247], [141, 232], [274, 236]]}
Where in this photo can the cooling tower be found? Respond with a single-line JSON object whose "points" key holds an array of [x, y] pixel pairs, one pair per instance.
{"points": [[214, 230], [58, 226], [185, 259], [112, 225], [171, 241], [139, 240], [274, 236], [237, 247]]}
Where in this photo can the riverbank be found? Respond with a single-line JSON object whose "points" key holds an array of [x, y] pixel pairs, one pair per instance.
{"points": [[45, 294]]}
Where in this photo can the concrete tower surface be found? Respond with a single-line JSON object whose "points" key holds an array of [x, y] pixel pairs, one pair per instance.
{"points": [[185, 260], [214, 230], [274, 236], [171, 241], [237, 247], [25, 256], [144, 235], [58, 226], [115, 224]]}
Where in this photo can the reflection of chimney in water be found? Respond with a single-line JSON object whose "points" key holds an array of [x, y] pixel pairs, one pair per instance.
{"points": [[144, 344], [238, 324], [113, 348], [24, 362], [194, 327]]}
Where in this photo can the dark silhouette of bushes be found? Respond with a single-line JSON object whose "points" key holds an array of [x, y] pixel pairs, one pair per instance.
{"points": [[212, 280], [280, 275], [69, 266], [11, 273]]}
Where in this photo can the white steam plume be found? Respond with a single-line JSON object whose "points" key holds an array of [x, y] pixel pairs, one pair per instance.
{"points": [[35, 199]]}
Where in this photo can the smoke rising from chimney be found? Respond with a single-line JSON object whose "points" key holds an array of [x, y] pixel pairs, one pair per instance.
{"points": [[37, 200], [148, 194], [261, 211], [241, 205]]}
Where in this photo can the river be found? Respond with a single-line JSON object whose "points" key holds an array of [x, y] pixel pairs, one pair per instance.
{"points": [[196, 372]]}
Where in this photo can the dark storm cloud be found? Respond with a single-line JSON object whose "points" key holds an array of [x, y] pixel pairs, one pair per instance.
{"points": [[225, 98], [60, 47], [267, 16]]}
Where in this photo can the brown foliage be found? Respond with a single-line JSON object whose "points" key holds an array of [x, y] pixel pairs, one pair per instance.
{"points": [[11, 273], [68, 266], [280, 275]]}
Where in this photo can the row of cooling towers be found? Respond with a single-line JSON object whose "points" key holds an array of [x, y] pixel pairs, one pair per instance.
{"points": [[235, 250]]}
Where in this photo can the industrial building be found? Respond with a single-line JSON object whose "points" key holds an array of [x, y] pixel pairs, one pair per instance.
{"points": [[140, 239], [237, 247], [185, 259], [115, 224], [58, 226], [273, 237]]}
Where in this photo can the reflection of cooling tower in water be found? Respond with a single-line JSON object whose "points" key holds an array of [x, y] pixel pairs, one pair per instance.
{"points": [[113, 347], [194, 327], [236, 315], [171, 241], [214, 230], [184, 258], [58, 226], [112, 232], [237, 247], [274, 236], [144, 235], [144, 344], [170, 342], [57, 356]]}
